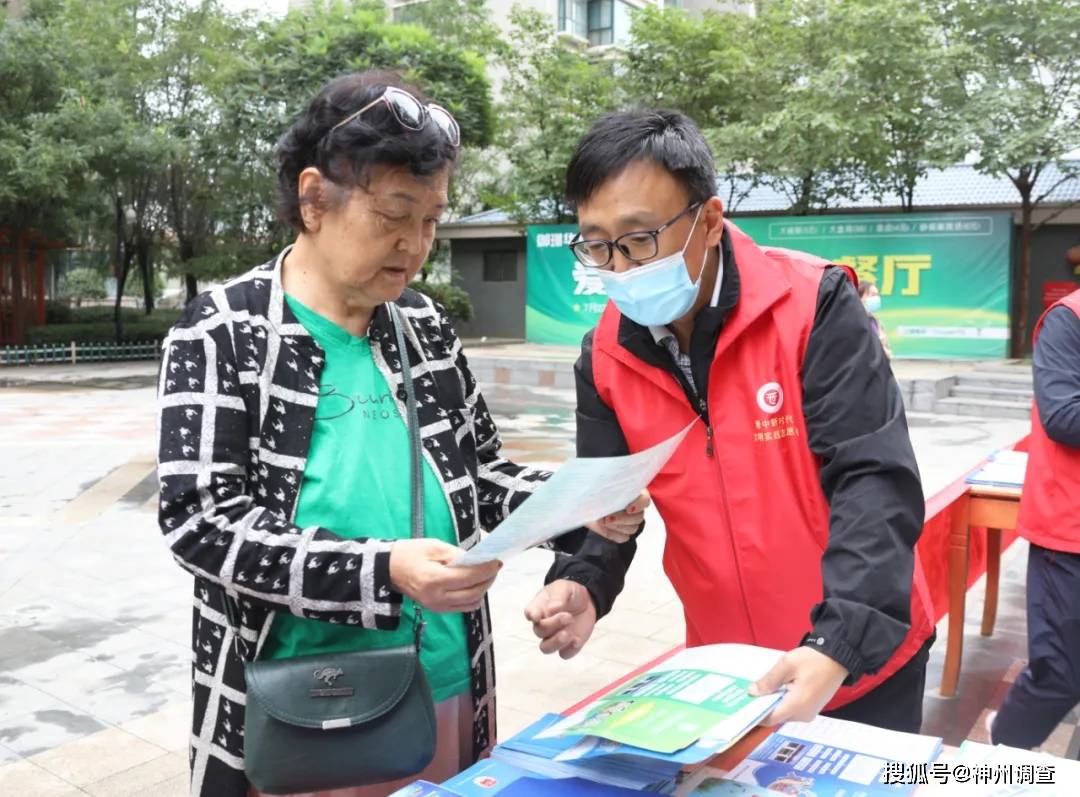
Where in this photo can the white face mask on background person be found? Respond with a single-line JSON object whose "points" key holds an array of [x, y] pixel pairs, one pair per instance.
{"points": [[657, 293], [872, 303]]}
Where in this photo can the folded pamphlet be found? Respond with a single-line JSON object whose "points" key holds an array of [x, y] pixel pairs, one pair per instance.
{"points": [[1003, 469], [697, 698], [579, 492]]}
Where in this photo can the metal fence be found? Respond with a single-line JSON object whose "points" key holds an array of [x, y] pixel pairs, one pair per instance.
{"points": [[75, 352]]}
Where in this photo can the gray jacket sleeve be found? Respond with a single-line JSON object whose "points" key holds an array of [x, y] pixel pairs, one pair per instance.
{"points": [[1057, 376]]}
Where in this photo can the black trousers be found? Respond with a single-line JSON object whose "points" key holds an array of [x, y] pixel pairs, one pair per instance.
{"points": [[1049, 687], [896, 704]]}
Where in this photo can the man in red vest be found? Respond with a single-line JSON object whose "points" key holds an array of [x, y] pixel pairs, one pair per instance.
{"points": [[793, 507], [1049, 687]]}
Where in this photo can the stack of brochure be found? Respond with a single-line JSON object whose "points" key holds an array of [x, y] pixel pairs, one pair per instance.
{"points": [[492, 777], [826, 758], [1003, 469], [643, 734], [497, 777], [647, 735], [589, 758]]}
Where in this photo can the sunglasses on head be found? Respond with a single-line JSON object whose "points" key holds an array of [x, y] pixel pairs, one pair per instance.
{"points": [[410, 114]]}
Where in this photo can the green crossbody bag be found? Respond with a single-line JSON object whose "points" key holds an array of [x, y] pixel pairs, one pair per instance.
{"points": [[343, 719]]}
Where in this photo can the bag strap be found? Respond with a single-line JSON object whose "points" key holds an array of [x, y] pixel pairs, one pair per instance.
{"points": [[416, 484], [412, 421]]}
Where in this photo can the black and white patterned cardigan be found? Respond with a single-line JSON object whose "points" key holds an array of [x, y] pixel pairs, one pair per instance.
{"points": [[238, 388]]}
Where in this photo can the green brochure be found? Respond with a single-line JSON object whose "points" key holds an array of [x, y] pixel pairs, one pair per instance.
{"points": [[700, 693]]}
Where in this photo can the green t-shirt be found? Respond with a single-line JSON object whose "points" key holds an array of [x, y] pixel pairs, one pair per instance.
{"points": [[356, 483]]}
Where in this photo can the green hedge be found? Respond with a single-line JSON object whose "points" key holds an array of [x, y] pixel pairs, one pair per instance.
{"points": [[57, 312], [95, 325], [153, 329], [104, 314], [454, 299]]}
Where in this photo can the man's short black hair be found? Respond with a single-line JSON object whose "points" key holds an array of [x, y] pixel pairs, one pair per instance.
{"points": [[667, 138]]}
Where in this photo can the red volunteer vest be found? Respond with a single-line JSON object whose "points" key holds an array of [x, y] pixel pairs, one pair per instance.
{"points": [[747, 526], [1050, 506]]}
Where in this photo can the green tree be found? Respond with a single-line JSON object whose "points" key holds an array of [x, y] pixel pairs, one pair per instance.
{"points": [[114, 73], [146, 127], [700, 66], [822, 99], [180, 177], [552, 94], [292, 58], [466, 24], [773, 93], [898, 74], [212, 170], [797, 129], [298, 54], [82, 283], [1021, 75], [43, 167]]}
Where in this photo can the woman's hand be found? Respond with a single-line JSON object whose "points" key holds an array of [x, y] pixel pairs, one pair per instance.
{"points": [[623, 525], [420, 569]]}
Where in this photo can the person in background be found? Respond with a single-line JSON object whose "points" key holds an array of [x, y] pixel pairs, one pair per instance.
{"points": [[1049, 687], [871, 299]]}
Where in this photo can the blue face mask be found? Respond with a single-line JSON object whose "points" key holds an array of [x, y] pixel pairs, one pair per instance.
{"points": [[872, 304], [657, 293]]}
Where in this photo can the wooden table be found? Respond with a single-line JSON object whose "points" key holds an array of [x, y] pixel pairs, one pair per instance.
{"points": [[995, 509]]}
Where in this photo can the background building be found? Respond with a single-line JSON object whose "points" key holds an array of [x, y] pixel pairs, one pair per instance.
{"points": [[594, 23]]}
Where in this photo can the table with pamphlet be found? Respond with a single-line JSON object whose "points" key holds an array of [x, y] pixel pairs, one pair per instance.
{"points": [[557, 755]]}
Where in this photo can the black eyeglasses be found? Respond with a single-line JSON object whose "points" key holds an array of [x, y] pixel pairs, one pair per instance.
{"points": [[410, 114], [637, 246]]}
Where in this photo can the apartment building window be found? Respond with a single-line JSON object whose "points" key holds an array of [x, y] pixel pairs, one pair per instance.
{"points": [[601, 22], [572, 17]]}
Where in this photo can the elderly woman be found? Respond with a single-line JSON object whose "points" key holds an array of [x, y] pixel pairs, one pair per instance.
{"points": [[285, 453]]}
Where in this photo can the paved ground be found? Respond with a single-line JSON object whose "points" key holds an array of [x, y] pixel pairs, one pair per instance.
{"points": [[94, 615]]}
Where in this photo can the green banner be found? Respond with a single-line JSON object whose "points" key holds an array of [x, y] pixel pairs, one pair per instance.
{"points": [[943, 277], [562, 300]]}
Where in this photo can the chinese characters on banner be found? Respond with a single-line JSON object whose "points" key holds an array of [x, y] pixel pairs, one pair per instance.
{"points": [[943, 278]]}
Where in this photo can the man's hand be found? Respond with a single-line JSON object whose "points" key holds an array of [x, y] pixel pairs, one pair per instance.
{"points": [[563, 617], [811, 678], [621, 526], [420, 569]]}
